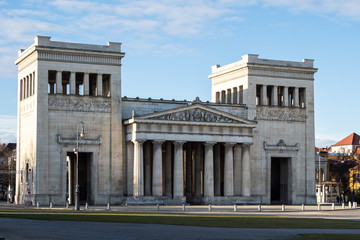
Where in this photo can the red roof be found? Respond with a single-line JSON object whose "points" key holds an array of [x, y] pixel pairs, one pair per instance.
{"points": [[320, 150], [352, 139]]}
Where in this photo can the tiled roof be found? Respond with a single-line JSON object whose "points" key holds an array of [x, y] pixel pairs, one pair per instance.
{"points": [[352, 139], [320, 150]]}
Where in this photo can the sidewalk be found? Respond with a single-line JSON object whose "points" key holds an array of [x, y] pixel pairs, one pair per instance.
{"points": [[308, 211]]}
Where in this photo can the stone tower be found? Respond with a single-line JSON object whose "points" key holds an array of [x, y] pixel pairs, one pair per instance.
{"points": [[65, 88], [279, 95]]}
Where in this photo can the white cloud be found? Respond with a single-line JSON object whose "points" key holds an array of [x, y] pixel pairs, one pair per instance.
{"points": [[326, 140], [346, 8], [170, 17], [7, 128]]}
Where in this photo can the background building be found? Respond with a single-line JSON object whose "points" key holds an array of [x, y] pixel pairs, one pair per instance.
{"points": [[7, 171]]}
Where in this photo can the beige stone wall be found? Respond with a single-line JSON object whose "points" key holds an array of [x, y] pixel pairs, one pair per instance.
{"points": [[101, 116], [293, 125], [26, 136]]}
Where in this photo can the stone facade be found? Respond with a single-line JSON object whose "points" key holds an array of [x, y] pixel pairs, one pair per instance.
{"points": [[253, 143]]}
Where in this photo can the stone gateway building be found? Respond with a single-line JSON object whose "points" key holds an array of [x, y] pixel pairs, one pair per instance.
{"points": [[253, 143]]}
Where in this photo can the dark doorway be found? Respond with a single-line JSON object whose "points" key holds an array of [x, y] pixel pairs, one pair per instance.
{"points": [[194, 172], [280, 183], [84, 177]]}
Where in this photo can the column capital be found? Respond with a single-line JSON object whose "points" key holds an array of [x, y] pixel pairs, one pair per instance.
{"points": [[158, 141], [229, 144], [141, 141], [210, 143], [179, 142]]}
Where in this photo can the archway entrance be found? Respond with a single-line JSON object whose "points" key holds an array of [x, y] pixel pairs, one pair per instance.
{"points": [[85, 187]]}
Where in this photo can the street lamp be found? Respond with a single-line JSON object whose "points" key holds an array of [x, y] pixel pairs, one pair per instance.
{"points": [[77, 189], [319, 175]]}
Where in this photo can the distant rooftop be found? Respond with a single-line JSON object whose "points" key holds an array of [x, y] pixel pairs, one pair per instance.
{"points": [[352, 139]]}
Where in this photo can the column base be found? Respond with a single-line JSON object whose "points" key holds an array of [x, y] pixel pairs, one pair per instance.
{"points": [[152, 200], [232, 200]]}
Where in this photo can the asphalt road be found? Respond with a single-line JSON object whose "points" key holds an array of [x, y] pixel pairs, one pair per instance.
{"points": [[39, 229]]}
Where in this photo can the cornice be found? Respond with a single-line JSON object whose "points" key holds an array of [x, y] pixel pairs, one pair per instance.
{"points": [[26, 62], [252, 69], [79, 57]]}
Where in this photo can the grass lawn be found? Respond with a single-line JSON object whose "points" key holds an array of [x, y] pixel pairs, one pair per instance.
{"points": [[328, 237], [231, 221]]}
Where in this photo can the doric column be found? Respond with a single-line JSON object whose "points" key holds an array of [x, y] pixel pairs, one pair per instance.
{"points": [[275, 96], [157, 187], [99, 85], [209, 170], [235, 96], [189, 168], [178, 169], [264, 95], [197, 169], [229, 170], [33, 77], [241, 94], [138, 186], [24, 88], [296, 97], [223, 96], [237, 170], [147, 167], [130, 167], [27, 86], [30, 85], [217, 170], [72, 83], [246, 176], [286, 97], [86, 84], [168, 169]]}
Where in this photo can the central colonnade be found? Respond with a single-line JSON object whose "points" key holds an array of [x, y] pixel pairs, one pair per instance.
{"points": [[177, 169]]}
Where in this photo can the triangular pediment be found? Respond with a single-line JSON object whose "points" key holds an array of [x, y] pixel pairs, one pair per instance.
{"points": [[196, 113]]}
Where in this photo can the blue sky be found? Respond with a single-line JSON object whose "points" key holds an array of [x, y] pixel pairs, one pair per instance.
{"points": [[171, 45]]}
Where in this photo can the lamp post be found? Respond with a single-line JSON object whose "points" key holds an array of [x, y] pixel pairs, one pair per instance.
{"points": [[320, 188], [77, 189]]}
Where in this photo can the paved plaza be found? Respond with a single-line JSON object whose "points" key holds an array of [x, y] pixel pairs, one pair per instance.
{"points": [[40, 229]]}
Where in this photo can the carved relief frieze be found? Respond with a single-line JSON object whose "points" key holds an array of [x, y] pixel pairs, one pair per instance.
{"points": [[79, 104], [280, 113], [195, 115], [82, 141]]}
